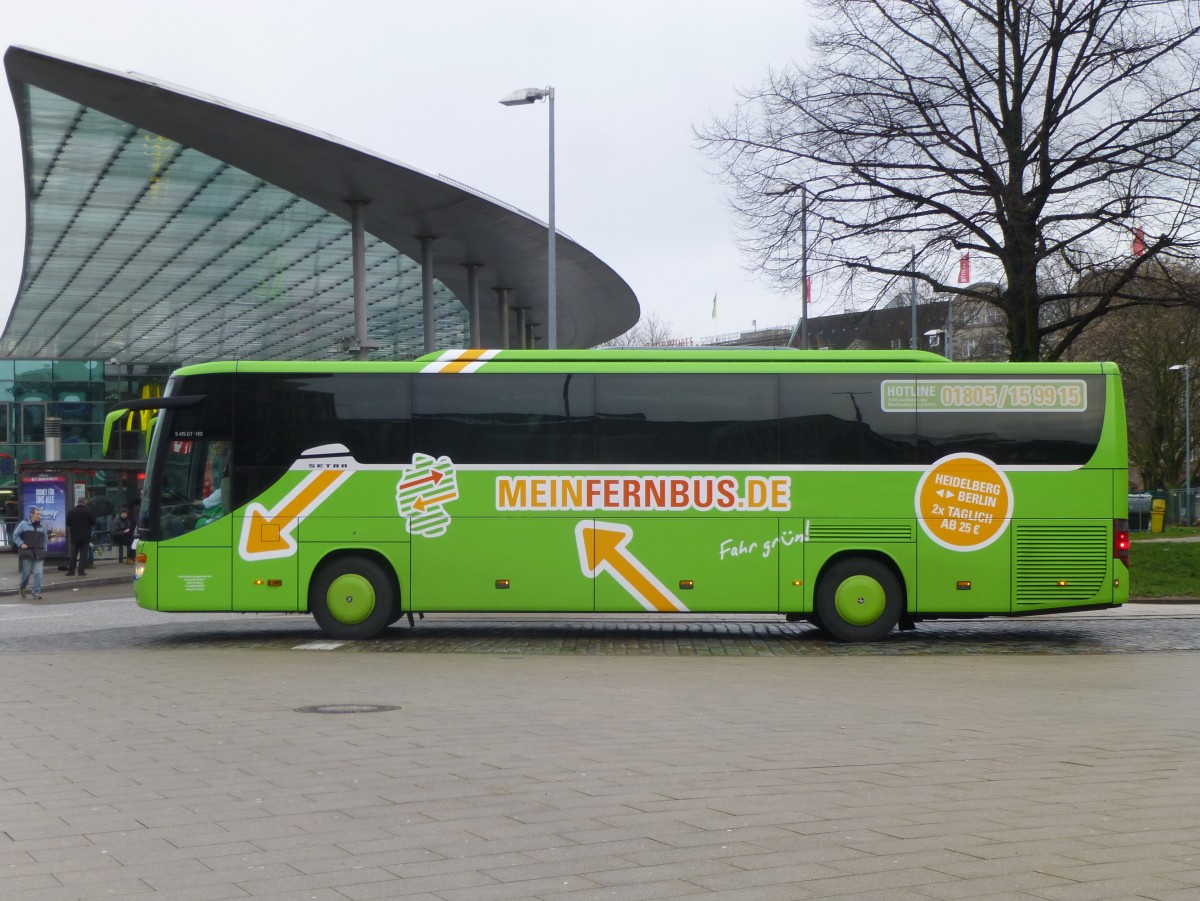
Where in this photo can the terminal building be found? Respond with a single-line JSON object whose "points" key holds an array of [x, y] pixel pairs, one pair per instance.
{"points": [[167, 227]]}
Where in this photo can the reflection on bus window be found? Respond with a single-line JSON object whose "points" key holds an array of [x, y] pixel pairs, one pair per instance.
{"points": [[212, 509], [195, 485]]}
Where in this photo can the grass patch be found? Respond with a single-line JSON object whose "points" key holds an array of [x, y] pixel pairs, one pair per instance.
{"points": [[1169, 569], [1168, 532]]}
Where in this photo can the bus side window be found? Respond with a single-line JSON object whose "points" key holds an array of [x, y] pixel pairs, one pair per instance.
{"points": [[838, 418], [504, 417], [678, 418], [1042, 437]]}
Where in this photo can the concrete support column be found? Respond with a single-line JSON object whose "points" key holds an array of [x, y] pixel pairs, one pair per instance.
{"points": [[428, 314], [358, 251], [521, 329], [502, 296], [473, 302]]}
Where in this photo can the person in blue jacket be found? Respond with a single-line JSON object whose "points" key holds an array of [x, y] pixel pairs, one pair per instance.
{"points": [[31, 538]]}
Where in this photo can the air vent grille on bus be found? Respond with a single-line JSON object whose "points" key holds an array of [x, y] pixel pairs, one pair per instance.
{"points": [[1060, 564], [861, 532]]}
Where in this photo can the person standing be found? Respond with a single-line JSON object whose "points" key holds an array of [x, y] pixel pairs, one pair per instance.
{"points": [[31, 539], [80, 523], [122, 535], [12, 516]]}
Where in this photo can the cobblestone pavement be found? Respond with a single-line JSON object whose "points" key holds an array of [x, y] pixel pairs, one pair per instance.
{"points": [[605, 758], [1102, 632]]}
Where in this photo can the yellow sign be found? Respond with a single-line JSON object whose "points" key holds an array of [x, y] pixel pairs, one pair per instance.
{"points": [[964, 502]]}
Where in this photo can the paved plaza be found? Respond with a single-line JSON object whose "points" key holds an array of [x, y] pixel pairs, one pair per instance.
{"points": [[600, 758]]}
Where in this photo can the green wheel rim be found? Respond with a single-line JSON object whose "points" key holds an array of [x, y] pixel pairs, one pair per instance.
{"points": [[860, 600], [350, 598]]}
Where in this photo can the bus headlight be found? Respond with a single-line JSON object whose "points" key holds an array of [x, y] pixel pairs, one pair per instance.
{"points": [[139, 566]]}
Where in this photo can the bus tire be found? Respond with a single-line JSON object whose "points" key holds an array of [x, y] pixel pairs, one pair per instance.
{"points": [[859, 599], [352, 598], [397, 612]]}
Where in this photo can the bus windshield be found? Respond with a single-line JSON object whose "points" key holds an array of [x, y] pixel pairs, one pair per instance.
{"points": [[195, 485]]}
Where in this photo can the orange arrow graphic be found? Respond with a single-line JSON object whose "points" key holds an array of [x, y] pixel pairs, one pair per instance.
{"points": [[433, 476], [267, 533], [603, 548], [422, 502]]}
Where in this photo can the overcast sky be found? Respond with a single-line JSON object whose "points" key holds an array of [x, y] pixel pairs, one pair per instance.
{"points": [[419, 82]]}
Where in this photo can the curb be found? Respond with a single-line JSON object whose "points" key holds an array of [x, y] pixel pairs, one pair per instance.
{"points": [[74, 582]]}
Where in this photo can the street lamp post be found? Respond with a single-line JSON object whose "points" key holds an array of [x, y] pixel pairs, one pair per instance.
{"points": [[522, 98], [949, 327], [804, 298], [1186, 368], [912, 295]]}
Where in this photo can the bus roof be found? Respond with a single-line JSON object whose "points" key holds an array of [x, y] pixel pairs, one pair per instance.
{"points": [[651, 358], [702, 355]]}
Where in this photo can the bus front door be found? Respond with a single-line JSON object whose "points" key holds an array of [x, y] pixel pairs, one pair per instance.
{"points": [[194, 568]]}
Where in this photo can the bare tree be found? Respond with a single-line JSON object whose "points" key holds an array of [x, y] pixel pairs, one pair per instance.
{"points": [[1146, 344], [650, 331], [1049, 139]]}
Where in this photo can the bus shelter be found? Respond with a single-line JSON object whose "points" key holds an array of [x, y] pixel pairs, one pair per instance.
{"points": [[55, 486]]}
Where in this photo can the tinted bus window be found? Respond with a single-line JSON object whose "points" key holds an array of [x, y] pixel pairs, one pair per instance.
{"points": [[840, 418], [687, 419], [212, 417], [504, 418], [281, 416], [1021, 420]]}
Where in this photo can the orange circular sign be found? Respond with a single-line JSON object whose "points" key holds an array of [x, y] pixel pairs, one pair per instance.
{"points": [[964, 502]]}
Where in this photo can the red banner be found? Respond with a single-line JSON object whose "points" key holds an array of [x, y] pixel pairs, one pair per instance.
{"points": [[1139, 241]]}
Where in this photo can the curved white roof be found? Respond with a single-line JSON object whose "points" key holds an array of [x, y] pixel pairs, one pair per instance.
{"points": [[168, 226]]}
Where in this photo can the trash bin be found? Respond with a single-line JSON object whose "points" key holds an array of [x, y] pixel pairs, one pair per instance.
{"points": [[1158, 509]]}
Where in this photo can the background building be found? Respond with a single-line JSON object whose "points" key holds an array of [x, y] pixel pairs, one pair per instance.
{"points": [[167, 227]]}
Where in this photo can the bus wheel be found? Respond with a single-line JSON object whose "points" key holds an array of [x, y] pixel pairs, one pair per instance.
{"points": [[859, 599], [351, 598], [397, 612]]}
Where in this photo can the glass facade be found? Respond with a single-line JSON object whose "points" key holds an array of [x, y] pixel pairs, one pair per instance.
{"points": [[78, 392], [189, 258]]}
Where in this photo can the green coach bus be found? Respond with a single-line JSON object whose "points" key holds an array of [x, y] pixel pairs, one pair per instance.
{"points": [[857, 491]]}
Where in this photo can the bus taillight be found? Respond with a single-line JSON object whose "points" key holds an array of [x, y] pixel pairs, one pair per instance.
{"points": [[1121, 541]]}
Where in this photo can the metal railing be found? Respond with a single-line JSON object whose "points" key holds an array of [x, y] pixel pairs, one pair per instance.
{"points": [[1176, 513], [1178, 507]]}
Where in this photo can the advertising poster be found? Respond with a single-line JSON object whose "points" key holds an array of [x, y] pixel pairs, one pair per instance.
{"points": [[50, 493]]}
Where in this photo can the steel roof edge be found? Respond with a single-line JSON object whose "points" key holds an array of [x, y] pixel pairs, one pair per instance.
{"points": [[594, 302]]}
